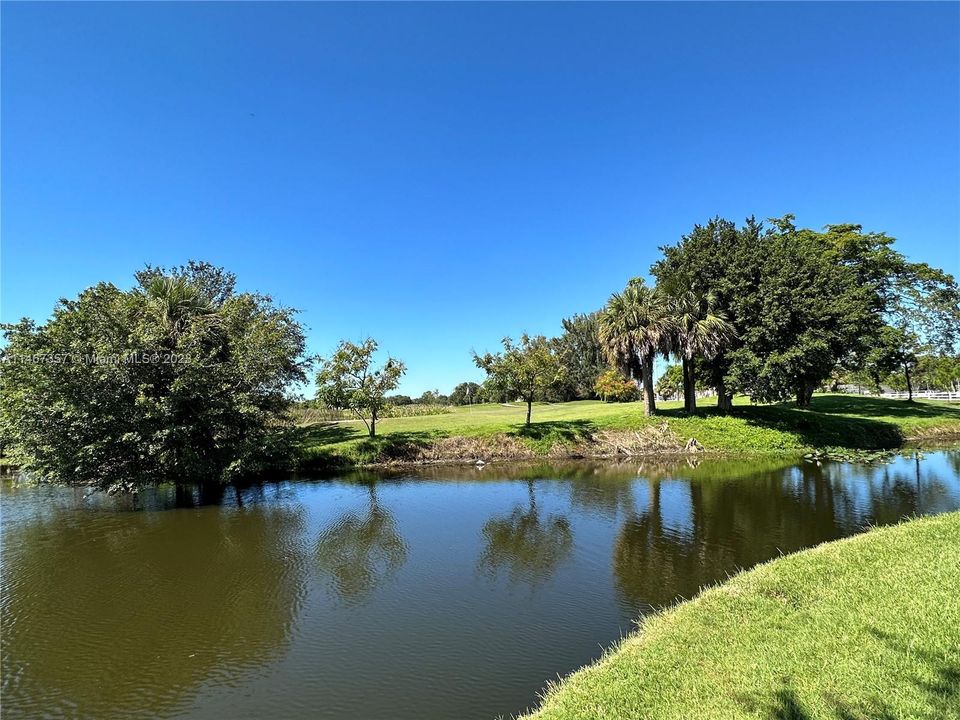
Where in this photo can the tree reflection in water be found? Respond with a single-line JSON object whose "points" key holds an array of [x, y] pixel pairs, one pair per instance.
{"points": [[126, 614], [359, 551], [740, 521], [525, 544]]}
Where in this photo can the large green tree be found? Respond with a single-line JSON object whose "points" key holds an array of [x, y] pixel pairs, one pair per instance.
{"points": [[527, 370], [579, 350], [180, 378], [802, 302], [348, 380], [721, 259]]}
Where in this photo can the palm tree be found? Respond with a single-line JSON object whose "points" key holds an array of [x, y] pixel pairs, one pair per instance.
{"points": [[700, 328], [176, 302], [633, 327]]}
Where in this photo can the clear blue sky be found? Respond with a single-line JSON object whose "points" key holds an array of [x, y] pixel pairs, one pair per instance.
{"points": [[440, 175]]}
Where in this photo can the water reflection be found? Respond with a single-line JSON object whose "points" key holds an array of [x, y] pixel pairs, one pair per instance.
{"points": [[125, 614], [526, 545], [358, 551], [286, 599], [672, 545]]}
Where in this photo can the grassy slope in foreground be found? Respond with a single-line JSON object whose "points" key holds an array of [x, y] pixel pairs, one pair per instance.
{"points": [[867, 627], [593, 428]]}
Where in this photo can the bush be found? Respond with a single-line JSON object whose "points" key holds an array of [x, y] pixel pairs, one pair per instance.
{"points": [[611, 386], [178, 379]]}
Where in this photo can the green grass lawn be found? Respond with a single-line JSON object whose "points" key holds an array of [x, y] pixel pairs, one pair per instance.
{"points": [[833, 421], [867, 627]]}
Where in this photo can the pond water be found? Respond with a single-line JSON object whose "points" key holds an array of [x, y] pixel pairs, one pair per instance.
{"points": [[435, 593]]}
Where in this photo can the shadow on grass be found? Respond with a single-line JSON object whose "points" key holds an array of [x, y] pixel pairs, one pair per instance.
{"points": [[822, 429], [395, 447], [555, 430], [330, 433], [938, 682], [882, 407], [833, 421]]}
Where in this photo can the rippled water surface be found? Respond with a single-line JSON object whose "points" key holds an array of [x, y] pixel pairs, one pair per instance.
{"points": [[441, 593]]}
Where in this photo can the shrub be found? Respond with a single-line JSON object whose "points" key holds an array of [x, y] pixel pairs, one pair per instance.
{"points": [[611, 386]]}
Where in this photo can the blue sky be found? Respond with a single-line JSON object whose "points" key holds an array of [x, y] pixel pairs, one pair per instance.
{"points": [[440, 175]]}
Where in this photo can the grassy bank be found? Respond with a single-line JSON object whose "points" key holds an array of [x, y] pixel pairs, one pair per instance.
{"points": [[593, 428], [867, 627]]}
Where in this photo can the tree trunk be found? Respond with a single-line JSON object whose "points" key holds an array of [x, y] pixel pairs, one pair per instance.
{"points": [[529, 409], [724, 399], [689, 386], [906, 374], [373, 423], [650, 399], [804, 394]]}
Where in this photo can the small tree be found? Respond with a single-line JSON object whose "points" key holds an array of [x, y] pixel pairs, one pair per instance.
{"points": [[525, 370], [611, 386], [466, 393], [670, 384], [347, 381], [432, 397], [893, 352]]}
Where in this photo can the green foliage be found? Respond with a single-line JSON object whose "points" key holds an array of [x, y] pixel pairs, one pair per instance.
{"points": [[612, 386], [925, 303], [581, 355], [866, 627], [467, 393], [179, 379], [802, 302], [670, 384], [933, 372], [527, 370], [699, 329], [432, 397], [347, 380]]}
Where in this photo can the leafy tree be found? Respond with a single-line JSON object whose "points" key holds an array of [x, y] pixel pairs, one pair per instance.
{"points": [[612, 386], [933, 372], [581, 355], [633, 327], [399, 400], [800, 301], [180, 378], [670, 384], [466, 393], [721, 259], [527, 369], [891, 353], [432, 397], [925, 302], [347, 380]]}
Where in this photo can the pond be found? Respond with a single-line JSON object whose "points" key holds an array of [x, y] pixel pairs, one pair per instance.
{"points": [[433, 593]]}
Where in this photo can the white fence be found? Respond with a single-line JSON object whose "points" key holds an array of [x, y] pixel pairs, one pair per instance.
{"points": [[926, 395]]}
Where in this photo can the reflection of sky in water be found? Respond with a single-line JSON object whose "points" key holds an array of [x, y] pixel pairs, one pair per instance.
{"points": [[676, 510], [931, 486], [394, 575]]}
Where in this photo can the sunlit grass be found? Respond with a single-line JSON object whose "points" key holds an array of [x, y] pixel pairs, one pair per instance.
{"points": [[845, 421], [867, 627]]}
